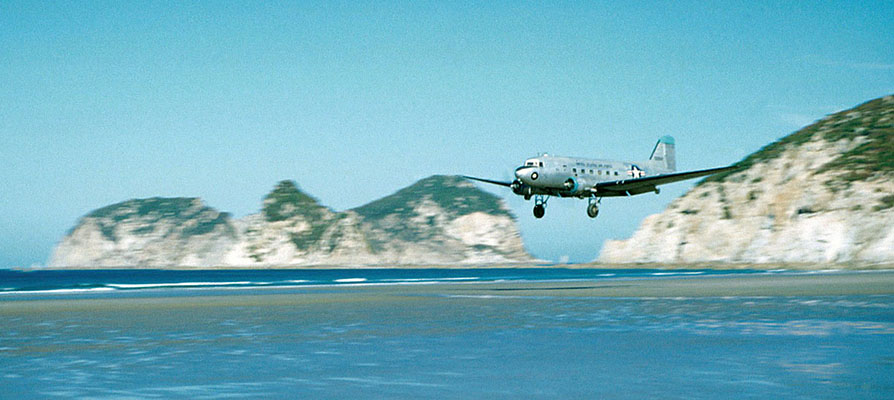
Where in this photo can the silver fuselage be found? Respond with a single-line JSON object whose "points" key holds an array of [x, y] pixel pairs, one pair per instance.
{"points": [[574, 176]]}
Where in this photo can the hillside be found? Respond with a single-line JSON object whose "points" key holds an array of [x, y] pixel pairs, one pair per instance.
{"points": [[821, 195], [438, 220], [423, 213]]}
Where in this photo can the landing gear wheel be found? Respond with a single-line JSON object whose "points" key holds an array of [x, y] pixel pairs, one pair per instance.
{"points": [[593, 210], [593, 206], [540, 205]]}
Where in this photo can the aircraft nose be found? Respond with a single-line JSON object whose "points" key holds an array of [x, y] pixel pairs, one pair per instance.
{"points": [[526, 174]]}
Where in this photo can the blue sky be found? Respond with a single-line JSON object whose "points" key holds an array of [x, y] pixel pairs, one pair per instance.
{"points": [[106, 101]]}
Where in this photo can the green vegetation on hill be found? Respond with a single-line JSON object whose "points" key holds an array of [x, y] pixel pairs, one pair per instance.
{"points": [[396, 218], [157, 207], [188, 214], [874, 123], [452, 193], [871, 122], [286, 201]]}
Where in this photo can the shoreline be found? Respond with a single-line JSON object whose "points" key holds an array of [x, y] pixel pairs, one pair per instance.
{"points": [[798, 283], [845, 283], [595, 266]]}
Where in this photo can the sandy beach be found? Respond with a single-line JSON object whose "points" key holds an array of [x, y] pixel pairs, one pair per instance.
{"points": [[841, 283], [804, 335]]}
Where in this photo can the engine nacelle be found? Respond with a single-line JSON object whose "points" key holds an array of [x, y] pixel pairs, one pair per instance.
{"points": [[571, 185], [520, 188]]}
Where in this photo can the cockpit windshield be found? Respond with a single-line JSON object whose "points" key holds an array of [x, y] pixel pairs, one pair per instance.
{"points": [[533, 163]]}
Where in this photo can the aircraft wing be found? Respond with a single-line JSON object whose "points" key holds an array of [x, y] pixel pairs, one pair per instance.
{"points": [[630, 187], [507, 184]]}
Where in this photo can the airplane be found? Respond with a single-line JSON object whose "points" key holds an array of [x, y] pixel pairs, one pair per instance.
{"points": [[547, 175]]}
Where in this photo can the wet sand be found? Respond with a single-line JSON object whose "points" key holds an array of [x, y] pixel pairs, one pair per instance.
{"points": [[799, 335], [816, 284]]}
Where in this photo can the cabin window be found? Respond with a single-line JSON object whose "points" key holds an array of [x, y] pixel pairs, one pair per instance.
{"points": [[541, 163], [616, 173], [591, 172], [574, 170]]}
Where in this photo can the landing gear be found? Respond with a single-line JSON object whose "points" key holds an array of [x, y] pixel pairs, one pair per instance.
{"points": [[592, 210], [540, 206], [593, 207]]}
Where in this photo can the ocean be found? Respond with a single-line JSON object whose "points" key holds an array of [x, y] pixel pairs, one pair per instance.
{"points": [[68, 282], [446, 333]]}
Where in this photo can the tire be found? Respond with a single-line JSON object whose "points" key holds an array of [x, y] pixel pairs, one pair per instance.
{"points": [[592, 210], [539, 211]]}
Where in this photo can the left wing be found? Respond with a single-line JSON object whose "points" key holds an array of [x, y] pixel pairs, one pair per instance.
{"points": [[507, 184], [630, 187]]}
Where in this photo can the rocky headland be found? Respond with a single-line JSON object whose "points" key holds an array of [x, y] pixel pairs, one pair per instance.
{"points": [[438, 220], [823, 195]]}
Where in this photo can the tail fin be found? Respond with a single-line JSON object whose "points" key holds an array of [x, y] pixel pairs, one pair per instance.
{"points": [[663, 155]]}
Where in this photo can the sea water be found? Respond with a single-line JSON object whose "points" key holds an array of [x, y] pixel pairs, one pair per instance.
{"points": [[85, 281], [376, 334]]}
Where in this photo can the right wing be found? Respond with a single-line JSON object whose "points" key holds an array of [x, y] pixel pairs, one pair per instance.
{"points": [[630, 187]]}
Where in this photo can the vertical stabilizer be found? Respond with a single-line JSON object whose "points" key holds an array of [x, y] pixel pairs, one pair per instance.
{"points": [[663, 155]]}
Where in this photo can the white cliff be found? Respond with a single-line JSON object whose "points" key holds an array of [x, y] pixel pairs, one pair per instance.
{"points": [[823, 195]]}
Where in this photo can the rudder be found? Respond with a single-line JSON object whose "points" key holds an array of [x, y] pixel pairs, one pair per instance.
{"points": [[664, 155]]}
